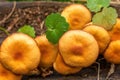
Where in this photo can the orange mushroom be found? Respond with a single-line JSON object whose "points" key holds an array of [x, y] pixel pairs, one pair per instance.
{"points": [[77, 15], [8, 75], [48, 51], [78, 48], [115, 32], [19, 53], [61, 67], [100, 34], [112, 53]]}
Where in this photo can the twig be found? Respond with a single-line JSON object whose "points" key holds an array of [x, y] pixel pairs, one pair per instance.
{"points": [[111, 71], [3, 29], [98, 74], [46, 72], [42, 24], [34, 72], [12, 24], [9, 15]]}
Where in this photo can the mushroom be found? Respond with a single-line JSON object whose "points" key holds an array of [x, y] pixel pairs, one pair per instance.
{"points": [[78, 48], [100, 34], [48, 51], [8, 75], [20, 53], [115, 31], [112, 53], [61, 67], [77, 15]]}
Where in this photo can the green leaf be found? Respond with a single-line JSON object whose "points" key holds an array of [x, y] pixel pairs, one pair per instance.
{"points": [[27, 29], [106, 18], [96, 5], [56, 27]]}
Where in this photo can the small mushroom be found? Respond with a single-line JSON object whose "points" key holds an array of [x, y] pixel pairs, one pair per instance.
{"points": [[100, 34], [78, 48], [112, 53], [48, 51], [20, 53], [77, 15], [8, 75], [61, 67], [115, 31]]}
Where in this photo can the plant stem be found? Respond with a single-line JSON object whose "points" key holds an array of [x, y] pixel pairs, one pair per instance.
{"points": [[3, 29]]}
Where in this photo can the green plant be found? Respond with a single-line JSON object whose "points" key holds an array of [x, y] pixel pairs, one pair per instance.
{"points": [[105, 16]]}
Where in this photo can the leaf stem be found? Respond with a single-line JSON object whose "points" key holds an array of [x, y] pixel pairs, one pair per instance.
{"points": [[3, 29]]}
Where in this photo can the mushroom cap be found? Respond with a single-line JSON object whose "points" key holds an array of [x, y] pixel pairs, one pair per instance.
{"points": [[7, 75], [61, 67], [77, 15], [100, 34], [78, 48], [48, 51], [20, 53], [112, 53], [115, 32]]}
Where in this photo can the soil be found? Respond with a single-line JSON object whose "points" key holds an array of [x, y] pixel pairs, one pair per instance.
{"points": [[34, 14]]}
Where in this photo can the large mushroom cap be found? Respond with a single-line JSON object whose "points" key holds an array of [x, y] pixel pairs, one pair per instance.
{"points": [[61, 67], [112, 53], [78, 48], [48, 51], [100, 34], [20, 53], [7, 75], [76, 15]]}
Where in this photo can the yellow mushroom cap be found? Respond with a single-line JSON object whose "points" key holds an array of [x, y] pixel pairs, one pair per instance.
{"points": [[48, 51], [112, 53], [20, 53], [78, 48], [7, 75], [76, 15], [100, 34], [61, 67], [115, 32]]}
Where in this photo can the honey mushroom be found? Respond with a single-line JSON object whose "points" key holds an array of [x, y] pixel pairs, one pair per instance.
{"points": [[61, 67], [48, 51], [112, 53], [100, 34], [115, 31], [20, 53], [77, 15], [78, 48], [8, 75]]}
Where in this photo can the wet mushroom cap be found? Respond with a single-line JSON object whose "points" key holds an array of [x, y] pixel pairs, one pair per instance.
{"points": [[78, 48], [20, 53], [112, 53], [61, 67], [100, 34], [76, 15], [48, 51]]}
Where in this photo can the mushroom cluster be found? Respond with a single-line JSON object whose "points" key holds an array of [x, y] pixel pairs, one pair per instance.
{"points": [[78, 48], [84, 42]]}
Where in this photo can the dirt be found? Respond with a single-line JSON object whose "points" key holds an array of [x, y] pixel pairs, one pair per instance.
{"points": [[35, 16]]}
